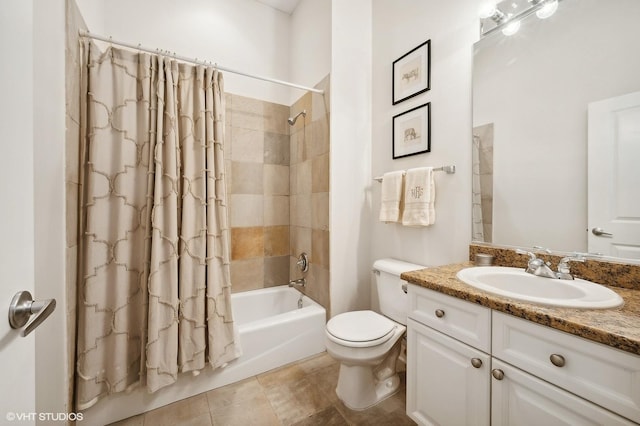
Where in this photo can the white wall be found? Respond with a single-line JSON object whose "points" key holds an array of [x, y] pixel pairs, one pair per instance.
{"points": [[310, 44], [350, 163], [239, 34], [398, 27]]}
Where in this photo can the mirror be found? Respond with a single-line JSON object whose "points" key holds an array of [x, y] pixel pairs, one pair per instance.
{"points": [[531, 97]]}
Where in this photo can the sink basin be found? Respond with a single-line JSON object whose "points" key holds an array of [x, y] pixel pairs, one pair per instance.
{"points": [[517, 284]]}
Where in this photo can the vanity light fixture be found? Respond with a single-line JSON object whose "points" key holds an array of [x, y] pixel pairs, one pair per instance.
{"points": [[489, 10], [492, 14], [511, 28], [547, 9]]}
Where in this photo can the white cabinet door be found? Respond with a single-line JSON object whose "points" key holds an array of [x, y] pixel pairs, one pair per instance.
{"points": [[522, 399], [444, 387]]}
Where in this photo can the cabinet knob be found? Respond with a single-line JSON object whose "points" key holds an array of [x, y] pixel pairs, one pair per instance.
{"points": [[439, 313], [557, 360], [497, 374], [476, 362]]}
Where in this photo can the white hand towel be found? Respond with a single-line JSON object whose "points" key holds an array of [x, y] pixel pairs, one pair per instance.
{"points": [[419, 197], [391, 198]]}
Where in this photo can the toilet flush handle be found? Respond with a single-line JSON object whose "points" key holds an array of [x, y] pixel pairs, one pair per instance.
{"points": [[405, 287]]}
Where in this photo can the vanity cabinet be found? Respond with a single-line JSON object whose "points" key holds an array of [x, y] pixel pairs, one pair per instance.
{"points": [[469, 365], [601, 374], [519, 398], [448, 380]]}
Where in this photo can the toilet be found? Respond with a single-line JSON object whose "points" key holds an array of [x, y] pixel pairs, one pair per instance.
{"points": [[367, 344]]}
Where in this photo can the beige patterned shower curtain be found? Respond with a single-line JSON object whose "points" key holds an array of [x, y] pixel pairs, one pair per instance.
{"points": [[153, 288]]}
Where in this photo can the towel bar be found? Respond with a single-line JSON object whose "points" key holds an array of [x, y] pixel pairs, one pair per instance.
{"points": [[447, 169]]}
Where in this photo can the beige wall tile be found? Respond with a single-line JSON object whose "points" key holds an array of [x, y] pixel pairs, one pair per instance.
{"points": [[247, 113], [247, 243], [318, 286], [320, 211], [320, 137], [276, 241], [302, 214], [300, 240], [303, 103], [276, 271], [228, 137], [293, 179], [275, 118], [247, 145], [276, 148], [301, 148], [276, 179], [247, 274], [247, 178], [320, 247], [303, 177], [320, 174], [246, 210], [276, 210]]}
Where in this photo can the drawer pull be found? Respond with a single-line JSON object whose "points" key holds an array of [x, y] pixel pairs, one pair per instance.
{"points": [[557, 360], [476, 362], [439, 313], [497, 374]]}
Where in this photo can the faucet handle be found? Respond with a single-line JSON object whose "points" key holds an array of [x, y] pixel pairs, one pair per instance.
{"points": [[544, 249], [564, 271], [528, 253]]}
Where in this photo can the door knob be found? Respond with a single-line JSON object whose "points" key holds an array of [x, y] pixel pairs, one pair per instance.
{"points": [[23, 306], [599, 232]]}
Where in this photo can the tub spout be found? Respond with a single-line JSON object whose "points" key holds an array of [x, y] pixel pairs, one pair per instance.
{"points": [[299, 282]]}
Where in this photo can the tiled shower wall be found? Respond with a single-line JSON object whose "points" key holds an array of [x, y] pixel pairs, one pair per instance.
{"points": [[257, 166], [310, 144], [278, 187]]}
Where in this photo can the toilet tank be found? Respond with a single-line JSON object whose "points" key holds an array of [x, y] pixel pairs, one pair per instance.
{"points": [[388, 297]]}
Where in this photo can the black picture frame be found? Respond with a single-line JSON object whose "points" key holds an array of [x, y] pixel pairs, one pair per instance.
{"points": [[411, 132], [411, 73]]}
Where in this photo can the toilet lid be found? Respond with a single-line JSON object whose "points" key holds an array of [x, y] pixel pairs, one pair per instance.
{"points": [[360, 326]]}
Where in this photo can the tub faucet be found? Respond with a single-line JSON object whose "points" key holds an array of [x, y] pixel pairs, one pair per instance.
{"points": [[299, 282], [537, 266]]}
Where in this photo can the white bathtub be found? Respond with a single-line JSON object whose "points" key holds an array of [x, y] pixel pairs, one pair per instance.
{"points": [[273, 332]]}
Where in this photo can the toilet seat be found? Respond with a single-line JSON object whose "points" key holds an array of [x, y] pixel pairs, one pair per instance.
{"points": [[360, 329]]}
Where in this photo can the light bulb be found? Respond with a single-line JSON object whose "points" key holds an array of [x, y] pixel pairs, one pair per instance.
{"points": [[487, 9], [511, 28], [547, 10]]}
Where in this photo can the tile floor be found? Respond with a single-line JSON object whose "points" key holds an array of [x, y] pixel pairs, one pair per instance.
{"points": [[301, 394]]}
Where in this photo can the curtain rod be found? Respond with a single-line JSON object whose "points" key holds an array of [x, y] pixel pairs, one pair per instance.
{"points": [[83, 33]]}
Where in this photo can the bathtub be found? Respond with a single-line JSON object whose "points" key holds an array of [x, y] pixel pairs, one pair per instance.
{"points": [[273, 332]]}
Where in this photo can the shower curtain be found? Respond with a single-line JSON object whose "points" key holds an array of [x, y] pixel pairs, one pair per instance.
{"points": [[153, 287]]}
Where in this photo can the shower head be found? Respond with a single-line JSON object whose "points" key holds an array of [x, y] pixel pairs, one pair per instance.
{"points": [[292, 120]]}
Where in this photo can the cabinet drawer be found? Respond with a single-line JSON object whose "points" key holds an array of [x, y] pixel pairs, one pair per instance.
{"points": [[461, 320], [599, 373]]}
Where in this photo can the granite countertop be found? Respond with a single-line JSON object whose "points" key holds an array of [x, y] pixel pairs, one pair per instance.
{"points": [[617, 327]]}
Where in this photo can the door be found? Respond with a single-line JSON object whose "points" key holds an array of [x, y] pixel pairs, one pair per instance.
{"points": [[614, 176], [17, 356], [449, 384], [518, 398]]}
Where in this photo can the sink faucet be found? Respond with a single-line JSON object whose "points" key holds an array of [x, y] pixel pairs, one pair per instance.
{"points": [[564, 272], [537, 266]]}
